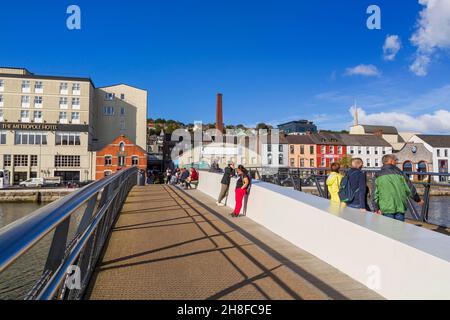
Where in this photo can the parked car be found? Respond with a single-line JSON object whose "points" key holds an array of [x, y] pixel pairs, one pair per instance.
{"points": [[41, 182]]}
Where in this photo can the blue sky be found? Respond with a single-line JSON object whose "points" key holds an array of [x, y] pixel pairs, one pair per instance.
{"points": [[274, 61]]}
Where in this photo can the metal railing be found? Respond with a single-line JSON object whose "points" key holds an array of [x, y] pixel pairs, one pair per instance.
{"points": [[79, 225], [298, 178]]}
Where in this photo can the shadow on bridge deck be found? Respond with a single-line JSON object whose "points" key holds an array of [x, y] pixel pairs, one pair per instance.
{"points": [[172, 244]]}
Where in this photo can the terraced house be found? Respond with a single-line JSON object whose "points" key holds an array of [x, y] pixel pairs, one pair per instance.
{"points": [[52, 125]]}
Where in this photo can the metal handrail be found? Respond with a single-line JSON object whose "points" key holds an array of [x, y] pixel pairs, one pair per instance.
{"points": [[102, 201]]}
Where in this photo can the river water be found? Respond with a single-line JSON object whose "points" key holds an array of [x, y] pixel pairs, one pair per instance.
{"points": [[16, 282]]}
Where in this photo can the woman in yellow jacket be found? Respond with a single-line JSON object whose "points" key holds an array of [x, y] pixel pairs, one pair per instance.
{"points": [[334, 182]]}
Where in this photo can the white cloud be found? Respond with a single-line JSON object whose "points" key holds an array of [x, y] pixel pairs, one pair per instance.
{"points": [[391, 47], [432, 34], [367, 70], [436, 122]]}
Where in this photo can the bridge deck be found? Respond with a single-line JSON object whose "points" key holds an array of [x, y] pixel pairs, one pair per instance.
{"points": [[172, 244]]}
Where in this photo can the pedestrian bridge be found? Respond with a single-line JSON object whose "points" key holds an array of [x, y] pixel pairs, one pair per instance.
{"points": [[121, 241]]}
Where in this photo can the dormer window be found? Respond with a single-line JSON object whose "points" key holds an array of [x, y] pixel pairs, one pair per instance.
{"points": [[122, 146]]}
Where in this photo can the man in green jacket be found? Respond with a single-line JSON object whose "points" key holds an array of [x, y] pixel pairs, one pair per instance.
{"points": [[392, 190]]}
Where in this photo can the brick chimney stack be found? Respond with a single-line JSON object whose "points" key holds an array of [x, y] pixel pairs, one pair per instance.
{"points": [[219, 113]]}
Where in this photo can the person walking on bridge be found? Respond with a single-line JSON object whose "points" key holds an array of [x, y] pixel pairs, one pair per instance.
{"points": [[392, 190], [357, 182], [229, 172], [242, 186], [334, 182]]}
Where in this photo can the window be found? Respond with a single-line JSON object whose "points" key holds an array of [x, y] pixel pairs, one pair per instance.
{"points": [[108, 161], [292, 162], [122, 96], [340, 150], [63, 117], [21, 160], [7, 160], [269, 159], [311, 150], [368, 150], [376, 151], [122, 146], [351, 150], [108, 111], [323, 163], [67, 161], [292, 149], [68, 139], [38, 102], [122, 124], [63, 103], [38, 87], [25, 116], [2, 137], [311, 163], [384, 151], [280, 148], [26, 86], [110, 96], [76, 89], [121, 161], [302, 149], [368, 163], [1, 101], [63, 88], [377, 163], [122, 112], [269, 148], [332, 150], [107, 173], [2, 85], [25, 100], [302, 163], [280, 159], [75, 117], [34, 160], [38, 116], [30, 138], [323, 149], [1, 115], [359, 150], [446, 153], [134, 160], [438, 152], [76, 103]]}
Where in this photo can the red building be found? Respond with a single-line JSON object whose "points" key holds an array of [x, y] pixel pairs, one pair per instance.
{"points": [[329, 148], [121, 153]]}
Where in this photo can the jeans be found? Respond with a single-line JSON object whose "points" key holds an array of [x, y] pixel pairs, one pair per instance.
{"points": [[395, 216]]}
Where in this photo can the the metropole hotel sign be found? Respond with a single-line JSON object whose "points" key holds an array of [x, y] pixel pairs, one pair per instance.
{"points": [[43, 127]]}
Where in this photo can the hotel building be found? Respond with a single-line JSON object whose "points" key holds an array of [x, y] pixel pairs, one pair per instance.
{"points": [[52, 125]]}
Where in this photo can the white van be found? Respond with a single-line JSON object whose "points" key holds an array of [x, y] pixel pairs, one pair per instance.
{"points": [[41, 182], [4, 179]]}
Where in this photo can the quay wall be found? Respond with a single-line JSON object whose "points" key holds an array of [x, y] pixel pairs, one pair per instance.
{"points": [[395, 259], [33, 195]]}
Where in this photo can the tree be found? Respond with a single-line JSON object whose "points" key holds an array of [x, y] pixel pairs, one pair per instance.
{"points": [[345, 161]]}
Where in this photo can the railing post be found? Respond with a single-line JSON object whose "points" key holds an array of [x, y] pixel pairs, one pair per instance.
{"points": [[58, 247], [426, 205]]}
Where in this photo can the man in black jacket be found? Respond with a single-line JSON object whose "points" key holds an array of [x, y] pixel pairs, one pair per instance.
{"points": [[226, 179]]}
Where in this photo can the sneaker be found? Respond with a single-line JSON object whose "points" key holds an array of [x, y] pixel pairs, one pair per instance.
{"points": [[221, 204], [218, 203]]}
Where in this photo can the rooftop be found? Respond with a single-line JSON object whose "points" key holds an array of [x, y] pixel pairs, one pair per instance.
{"points": [[436, 141]]}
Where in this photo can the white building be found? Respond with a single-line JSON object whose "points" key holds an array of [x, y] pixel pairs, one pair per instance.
{"points": [[275, 153], [439, 146], [370, 148]]}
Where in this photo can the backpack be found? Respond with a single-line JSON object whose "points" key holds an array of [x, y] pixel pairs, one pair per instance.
{"points": [[346, 193]]}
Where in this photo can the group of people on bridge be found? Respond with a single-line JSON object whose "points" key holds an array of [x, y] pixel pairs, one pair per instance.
{"points": [[391, 188]]}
